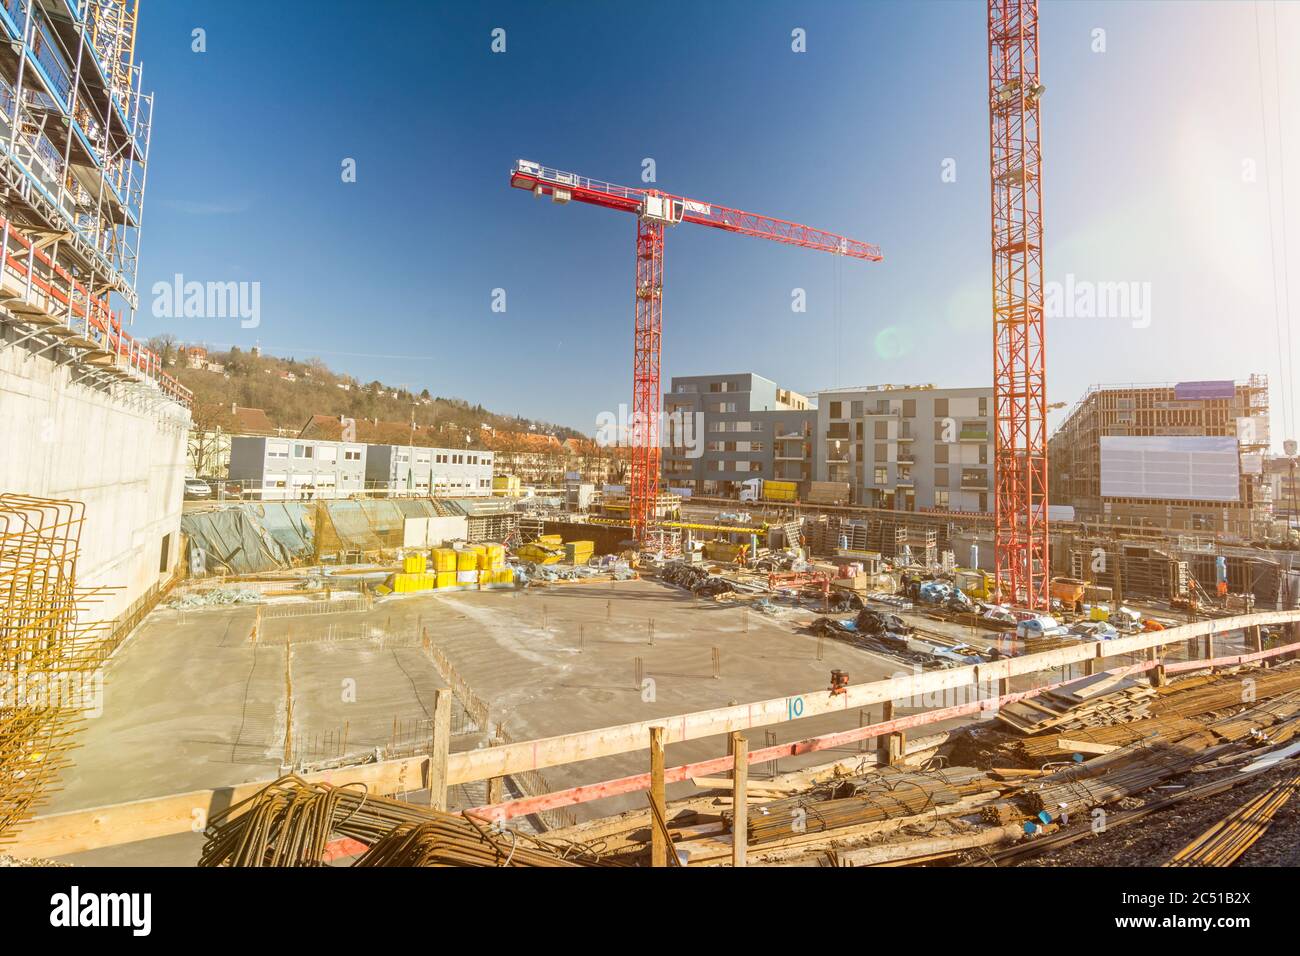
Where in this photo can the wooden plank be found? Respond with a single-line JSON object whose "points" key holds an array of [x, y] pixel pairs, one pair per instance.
{"points": [[1083, 746], [440, 749], [75, 831], [740, 808], [658, 805]]}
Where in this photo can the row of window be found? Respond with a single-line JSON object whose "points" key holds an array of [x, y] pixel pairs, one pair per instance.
{"points": [[907, 408]]}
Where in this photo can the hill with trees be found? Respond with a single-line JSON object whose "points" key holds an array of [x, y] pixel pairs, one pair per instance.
{"points": [[291, 391]]}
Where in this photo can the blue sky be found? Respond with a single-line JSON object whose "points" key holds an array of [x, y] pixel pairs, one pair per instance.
{"points": [[392, 276]]}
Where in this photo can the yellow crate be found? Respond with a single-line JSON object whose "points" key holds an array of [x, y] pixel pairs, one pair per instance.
{"points": [[415, 563], [554, 540], [444, 559], [446, 579], [466, 560]]}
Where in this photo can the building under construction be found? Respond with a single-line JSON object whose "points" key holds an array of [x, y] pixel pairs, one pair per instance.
{"points": [[1180, 457]]}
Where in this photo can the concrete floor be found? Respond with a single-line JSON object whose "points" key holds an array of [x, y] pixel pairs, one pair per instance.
{"points": [[193, 703]]}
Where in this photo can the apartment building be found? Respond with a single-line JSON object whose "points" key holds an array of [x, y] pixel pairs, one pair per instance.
{"points": [[1186, 456], [908, 448], [722, 430]]}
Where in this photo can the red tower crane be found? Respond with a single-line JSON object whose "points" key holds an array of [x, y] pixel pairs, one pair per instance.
{"points": [[655, 211], [1019, 371]]}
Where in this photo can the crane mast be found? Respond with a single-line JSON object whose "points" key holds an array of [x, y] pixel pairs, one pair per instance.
{"points": [[1019, 370]]}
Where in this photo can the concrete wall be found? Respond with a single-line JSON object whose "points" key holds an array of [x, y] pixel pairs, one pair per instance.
{"points": [[120, 454]]}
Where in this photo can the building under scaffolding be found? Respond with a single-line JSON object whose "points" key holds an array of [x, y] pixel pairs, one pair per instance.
{"points": [[1184, 457], [74, 147]]}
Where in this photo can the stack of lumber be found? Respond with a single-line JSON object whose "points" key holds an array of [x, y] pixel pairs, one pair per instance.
{"points": [[1093, 701]]}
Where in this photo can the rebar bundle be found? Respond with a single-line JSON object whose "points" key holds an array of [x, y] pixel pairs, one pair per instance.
{"points": [[291, 822], [1225, 842], [45, 664], [857, 800]]}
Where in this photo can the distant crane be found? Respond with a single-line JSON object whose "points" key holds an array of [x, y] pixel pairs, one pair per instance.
{"points": [[1020, 543], [656, 210]]}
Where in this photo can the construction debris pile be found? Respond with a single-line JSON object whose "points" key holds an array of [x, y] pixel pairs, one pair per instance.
{"points": [[696, 580]]}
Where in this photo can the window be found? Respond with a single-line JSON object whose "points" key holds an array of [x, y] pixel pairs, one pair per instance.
{"points": [[941, 477], [882, 476], [941, 499], [941, 408], [941, 454], [352, 454], [909, 408], [277, 449], [302, 451], [856, 408], [837, 409], [881, 452], [882, 430], [984, 454], [858, 432], [984, 406]]}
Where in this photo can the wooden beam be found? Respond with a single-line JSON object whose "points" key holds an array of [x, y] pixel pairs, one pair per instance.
{"points": [[739, 806], [76, 831], [659, 806], [440, 750]]}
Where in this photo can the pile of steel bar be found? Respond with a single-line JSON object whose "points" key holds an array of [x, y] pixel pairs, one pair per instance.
{"points": [[1225, 842], [290, 823], [445, 842], [1131, 769], [858, 800]]}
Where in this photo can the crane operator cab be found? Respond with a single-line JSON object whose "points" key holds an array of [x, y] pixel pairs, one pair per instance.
{"points": [[663, 209]]}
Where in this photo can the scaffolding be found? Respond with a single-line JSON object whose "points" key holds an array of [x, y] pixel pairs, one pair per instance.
{"points": [[75, 128], [47, 670]]}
